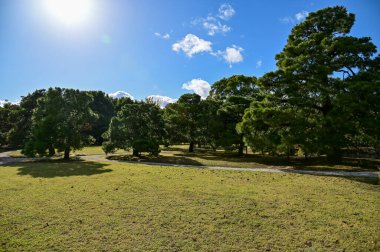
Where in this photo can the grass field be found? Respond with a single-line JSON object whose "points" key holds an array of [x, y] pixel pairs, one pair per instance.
{"points": [[104, 206]]}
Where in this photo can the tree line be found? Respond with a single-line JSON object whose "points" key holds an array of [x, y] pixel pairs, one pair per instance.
{"points": [[323, 97]]}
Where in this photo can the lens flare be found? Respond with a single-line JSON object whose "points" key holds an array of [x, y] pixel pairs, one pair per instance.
{"points": [[69, 12]]}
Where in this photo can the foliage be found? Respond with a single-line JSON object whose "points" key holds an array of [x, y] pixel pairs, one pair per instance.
{"points": [[234, 95], [16, 120], [182, 120], [59, 122], [139, 126], [104, 107], [6, 123], [210, 124], [305, 100]]}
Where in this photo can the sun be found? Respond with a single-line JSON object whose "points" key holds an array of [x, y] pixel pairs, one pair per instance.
{"points": [[69, 12]]}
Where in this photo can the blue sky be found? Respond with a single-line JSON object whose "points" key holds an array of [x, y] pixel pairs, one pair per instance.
{"points": [[150, 47]]}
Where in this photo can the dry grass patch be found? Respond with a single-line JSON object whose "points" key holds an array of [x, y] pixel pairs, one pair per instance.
{"points": [[97, 206]]}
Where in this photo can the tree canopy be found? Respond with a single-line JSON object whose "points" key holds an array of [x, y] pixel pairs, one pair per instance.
{"points": [[138, 125], [304, 98], [59, 122], [183, 120], [234, 95]]}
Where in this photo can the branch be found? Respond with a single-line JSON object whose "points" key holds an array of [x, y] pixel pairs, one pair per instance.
{"points": [[352, 72], [344, 72]]}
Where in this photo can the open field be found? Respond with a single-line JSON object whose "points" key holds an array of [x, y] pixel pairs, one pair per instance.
{"points": [[108, 206]]}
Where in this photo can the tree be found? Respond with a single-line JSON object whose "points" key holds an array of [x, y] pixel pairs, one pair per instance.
{"points": [[20, 119], [138, 125], [360, 104], [119, 103], [104, 106], [210, 124], [7, 115], [301, 105], [183, 120], [234, 95], [59, 121]]}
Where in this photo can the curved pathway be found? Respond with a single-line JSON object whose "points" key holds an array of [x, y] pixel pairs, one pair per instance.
{"points": [[284, 169], [6, 159]]}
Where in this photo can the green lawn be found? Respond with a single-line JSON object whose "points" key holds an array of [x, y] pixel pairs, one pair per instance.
{"points": [[87, 206]]}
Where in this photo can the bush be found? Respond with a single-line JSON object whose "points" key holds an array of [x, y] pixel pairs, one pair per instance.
{"points": [[139, 146]]}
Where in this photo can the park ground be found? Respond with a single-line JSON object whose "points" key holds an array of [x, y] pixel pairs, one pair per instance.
{"points": [[105, 205], [179, 155]]}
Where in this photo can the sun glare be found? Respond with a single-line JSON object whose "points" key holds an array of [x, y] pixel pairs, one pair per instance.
{"points": [[69, 12]]}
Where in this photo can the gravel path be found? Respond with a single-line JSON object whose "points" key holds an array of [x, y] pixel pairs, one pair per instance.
{"points": [[273, 170], [6, 159]]}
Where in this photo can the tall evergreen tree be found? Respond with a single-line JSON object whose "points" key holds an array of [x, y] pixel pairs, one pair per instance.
{"points": [[138, 125], [234, 95], [319, 64], [183, 120], [104, 107], [59, 122]]}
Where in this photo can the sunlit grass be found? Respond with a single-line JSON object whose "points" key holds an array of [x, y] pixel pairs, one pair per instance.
{"points": [[107, 206]]}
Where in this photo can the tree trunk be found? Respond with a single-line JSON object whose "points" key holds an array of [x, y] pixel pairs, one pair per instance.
{"points": [[241, 146], [67, 154], [135, 152], [191, 147], [335, 155], [51, 151], [288, 155]]}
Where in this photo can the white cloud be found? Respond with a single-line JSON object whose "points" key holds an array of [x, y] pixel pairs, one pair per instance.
{"points": [[226, 11], [121, 94], [287, 20], [301, 15], [232, 54], [298, 17], [163, 36], [199, 86], [259, 63], [3, 102], [161, 100], [191, 45], [211, 25]]}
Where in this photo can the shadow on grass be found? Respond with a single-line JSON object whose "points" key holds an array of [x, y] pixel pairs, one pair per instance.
{"points": [[60, 169], [366, 180], [234, 158], [159, 159], [371, 181], [298, 163]]}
